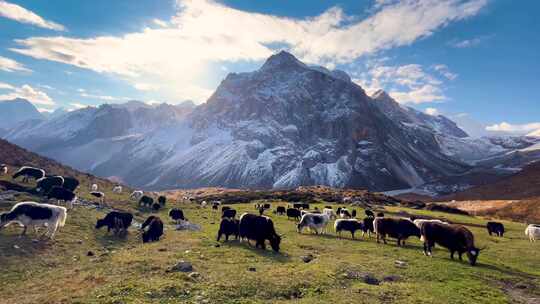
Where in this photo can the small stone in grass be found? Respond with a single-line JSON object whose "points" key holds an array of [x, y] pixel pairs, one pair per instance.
{"points": [[252, 269]]}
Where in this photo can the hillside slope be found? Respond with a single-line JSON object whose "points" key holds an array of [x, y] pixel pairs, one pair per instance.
{"points": [[16, 157], [522, 185]]}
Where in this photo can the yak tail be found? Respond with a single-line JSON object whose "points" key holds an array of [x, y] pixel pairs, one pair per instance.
{"points": [[62, 217]]}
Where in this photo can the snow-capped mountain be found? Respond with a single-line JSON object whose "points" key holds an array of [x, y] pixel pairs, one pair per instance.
{"points": [[17, 110], [284, 125]]}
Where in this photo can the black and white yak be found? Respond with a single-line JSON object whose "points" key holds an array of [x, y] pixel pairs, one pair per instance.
{"points": [[398, 228], [152, 229], [259, 229], [29, 172], [32, 214], [455, 238], [119, 222], [136, 195], [99, 195], [314, 221], [117, 189], [62, 195], [228, 227], [3, 169], [70, 183], [45, 184]]}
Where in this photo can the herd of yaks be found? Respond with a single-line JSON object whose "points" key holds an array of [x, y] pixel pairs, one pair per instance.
{"points": [[260, 228]]}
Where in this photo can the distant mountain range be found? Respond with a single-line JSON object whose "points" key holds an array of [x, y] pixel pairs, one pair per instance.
{"points": [[285, 125], [17, 110]]}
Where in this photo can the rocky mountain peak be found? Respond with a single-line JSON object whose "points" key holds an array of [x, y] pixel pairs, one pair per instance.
{"points": [[282, 60]]}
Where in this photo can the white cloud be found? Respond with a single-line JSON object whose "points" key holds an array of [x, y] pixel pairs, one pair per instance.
{"points": [[10, 65], [146, 87], [159, 22], [20, 14], [182, 55], [423, 94], [78, 105], [445, 71], [100, 97], [5, 86], [29, 93], [406, 84], [461, 44], [514, 128], [432, 112]]}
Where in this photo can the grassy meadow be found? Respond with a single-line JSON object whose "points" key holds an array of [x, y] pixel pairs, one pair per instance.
{"points": [[123, 270]]}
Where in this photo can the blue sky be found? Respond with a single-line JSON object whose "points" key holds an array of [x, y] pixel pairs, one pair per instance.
{"points": [[476, 61]]}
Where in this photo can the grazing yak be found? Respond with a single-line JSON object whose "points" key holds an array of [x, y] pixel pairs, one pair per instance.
{"points": [[45, 184], [94, 187], [420, 222], [98, 195], [259, 229], [369, 213], [117, 189], [496, 228], [215, 205], [533, 232], [280, 210], [455, 238], [32, 214], [228, 227], [146, 201], [70, 183], [398, 228], [29, 172], [294, 213], [3, 169], [119, 222], [156, 207], [152, 229], [228, 213], [301, 206], [177, 215], [351, 225], [162, 200], [315, 222], [62, 195], [136, 195]]}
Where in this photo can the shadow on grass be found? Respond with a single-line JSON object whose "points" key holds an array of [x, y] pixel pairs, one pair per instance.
{"points": [[268, 253], [31, 244]]}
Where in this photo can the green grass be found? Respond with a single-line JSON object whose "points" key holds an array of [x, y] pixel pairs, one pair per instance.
{"points": [[127, 271]]}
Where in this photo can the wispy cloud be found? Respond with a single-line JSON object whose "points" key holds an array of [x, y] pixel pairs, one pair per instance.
{"points": [[409, 83], [445, 71], [29, 93], [159, 22], [5, 86], [78, 105], [514, 128], [467, 43], [20, 14], [182, 54], [100, 97], [10, 65]]}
